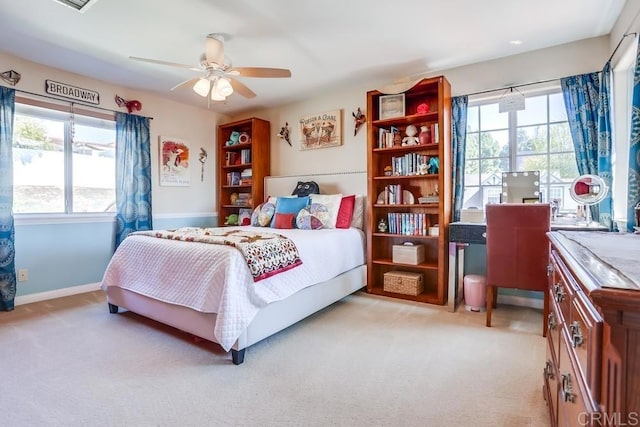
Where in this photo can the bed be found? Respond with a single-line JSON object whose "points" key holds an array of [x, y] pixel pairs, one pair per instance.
{"points": [[215, 298]]}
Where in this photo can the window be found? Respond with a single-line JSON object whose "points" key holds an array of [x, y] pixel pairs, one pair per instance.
{"points": [[62, 162], [537, 138]]}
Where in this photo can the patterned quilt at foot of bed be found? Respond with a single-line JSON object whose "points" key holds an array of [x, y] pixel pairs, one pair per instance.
{"points": [[266, 253]]}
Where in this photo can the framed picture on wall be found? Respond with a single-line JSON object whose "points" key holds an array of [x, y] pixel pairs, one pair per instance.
{"points": [[321, 130], [174, 162], [391, 106]]}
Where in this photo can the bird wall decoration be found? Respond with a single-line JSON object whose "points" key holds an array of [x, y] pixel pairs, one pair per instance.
{"points": [[132, 105], [359, 119], [284, 133]]}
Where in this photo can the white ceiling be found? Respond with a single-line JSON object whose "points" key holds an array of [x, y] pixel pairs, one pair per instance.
{"points": [[324, 43]]}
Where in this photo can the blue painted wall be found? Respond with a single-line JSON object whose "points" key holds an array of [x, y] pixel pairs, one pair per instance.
{"points": [[65, 254]]}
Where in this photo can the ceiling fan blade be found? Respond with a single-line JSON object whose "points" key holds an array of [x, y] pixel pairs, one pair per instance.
{"points": [[214, 49], [241, 89], [171, 64], [261, 72], [186, 82]]}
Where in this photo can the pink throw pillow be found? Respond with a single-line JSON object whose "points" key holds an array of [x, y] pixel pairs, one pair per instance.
{"points": [[345, 213]]}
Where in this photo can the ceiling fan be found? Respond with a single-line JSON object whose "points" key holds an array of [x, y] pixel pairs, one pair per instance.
{"points": [[219, 76]]}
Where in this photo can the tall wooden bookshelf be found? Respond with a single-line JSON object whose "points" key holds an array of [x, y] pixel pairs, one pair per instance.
{"points": [[250, 155], [407, 219]]}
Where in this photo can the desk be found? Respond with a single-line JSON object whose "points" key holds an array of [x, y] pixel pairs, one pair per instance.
{"points": [[461, 234]]}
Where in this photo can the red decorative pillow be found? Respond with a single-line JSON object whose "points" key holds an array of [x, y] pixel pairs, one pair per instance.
{"points": [[284, 220], [345, 213]]}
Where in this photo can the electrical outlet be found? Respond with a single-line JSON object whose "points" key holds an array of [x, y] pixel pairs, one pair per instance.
{"points": [[23, 275]]}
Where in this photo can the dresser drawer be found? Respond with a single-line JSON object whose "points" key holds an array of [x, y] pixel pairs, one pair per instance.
{"points": [[561, 290], [575, 404], [584, 330], [555, 324]]}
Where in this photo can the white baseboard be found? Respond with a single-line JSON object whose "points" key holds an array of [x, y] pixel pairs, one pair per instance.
{"points": [[90, 287], [521, 301], [42, 296]]}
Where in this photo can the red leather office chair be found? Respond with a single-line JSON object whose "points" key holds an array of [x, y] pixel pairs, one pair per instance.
{"points": [[517, 251]]}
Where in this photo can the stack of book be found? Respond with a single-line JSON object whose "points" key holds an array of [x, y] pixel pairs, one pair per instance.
{"points": [[245, 177], [243, 199]]}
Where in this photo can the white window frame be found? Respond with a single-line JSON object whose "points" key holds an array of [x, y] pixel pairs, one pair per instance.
{"points": [[23, 103], [478, 101]]}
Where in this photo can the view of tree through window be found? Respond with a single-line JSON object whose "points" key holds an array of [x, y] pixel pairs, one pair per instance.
{"points": [[535, 139], [62, 163]]}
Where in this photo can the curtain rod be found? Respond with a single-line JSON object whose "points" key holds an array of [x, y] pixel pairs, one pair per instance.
{"points": [[71, 102], [624, 36], [512, 87]]}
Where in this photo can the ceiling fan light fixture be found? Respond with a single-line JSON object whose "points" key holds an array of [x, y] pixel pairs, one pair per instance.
{"points": [[215, 96], [202, 87], [223, 87]]}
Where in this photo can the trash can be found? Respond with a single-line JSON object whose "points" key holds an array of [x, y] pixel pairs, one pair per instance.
{"points": [[475, 292]]}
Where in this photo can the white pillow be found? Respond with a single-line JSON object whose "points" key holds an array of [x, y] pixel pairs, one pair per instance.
{"points": [[332, 202], [357, 220]]}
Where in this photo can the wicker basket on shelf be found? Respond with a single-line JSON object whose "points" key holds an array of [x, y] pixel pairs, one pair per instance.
{"points": [[403, 282]]}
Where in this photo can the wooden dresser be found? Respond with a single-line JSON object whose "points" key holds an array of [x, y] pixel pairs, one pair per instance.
{"points": [[592, 370]]}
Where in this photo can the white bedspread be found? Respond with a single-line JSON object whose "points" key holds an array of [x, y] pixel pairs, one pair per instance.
{"points": [[216, 279]]}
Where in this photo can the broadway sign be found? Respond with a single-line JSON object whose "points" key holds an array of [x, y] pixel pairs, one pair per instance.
{"points": [[72, 92]]}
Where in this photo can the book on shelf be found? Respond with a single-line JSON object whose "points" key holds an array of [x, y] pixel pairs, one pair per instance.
{"points": [[435, 133], [245, 176], [386, 136], [233, 178], [245, 155], [243, 199], [408, 224], [409, 164], [392, 194], [231, 157]]}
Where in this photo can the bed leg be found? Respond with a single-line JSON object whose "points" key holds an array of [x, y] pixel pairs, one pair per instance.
{"points": [[237, 356], [112, 308]]}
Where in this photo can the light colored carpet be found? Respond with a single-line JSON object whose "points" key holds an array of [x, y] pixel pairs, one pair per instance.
{"points": [[365, 361]]}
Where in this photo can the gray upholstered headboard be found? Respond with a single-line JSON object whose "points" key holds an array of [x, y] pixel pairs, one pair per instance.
{"points": [[331, 183]]}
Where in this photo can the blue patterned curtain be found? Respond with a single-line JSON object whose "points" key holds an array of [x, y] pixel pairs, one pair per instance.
{"points": [[458, 143], [605, 166], [581, 98], [133, 175], [7, 230], [633, 193]]}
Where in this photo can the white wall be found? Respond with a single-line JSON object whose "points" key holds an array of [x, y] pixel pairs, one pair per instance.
{"points": [[569, 59], [195, 125]]}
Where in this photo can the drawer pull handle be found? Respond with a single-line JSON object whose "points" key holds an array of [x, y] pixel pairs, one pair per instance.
{"points": [[551, 321], [559, 291], [577, 339], [548, 370], [567, 389]]}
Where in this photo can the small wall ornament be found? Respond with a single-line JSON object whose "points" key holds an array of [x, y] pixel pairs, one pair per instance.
{"points": [[12, 77], [132, 105], [284, 133], [359, 118], [202, 158]]}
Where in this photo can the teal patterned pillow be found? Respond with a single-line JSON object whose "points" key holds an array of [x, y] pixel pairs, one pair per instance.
{"points": [[313, 217], [262, 214]]}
